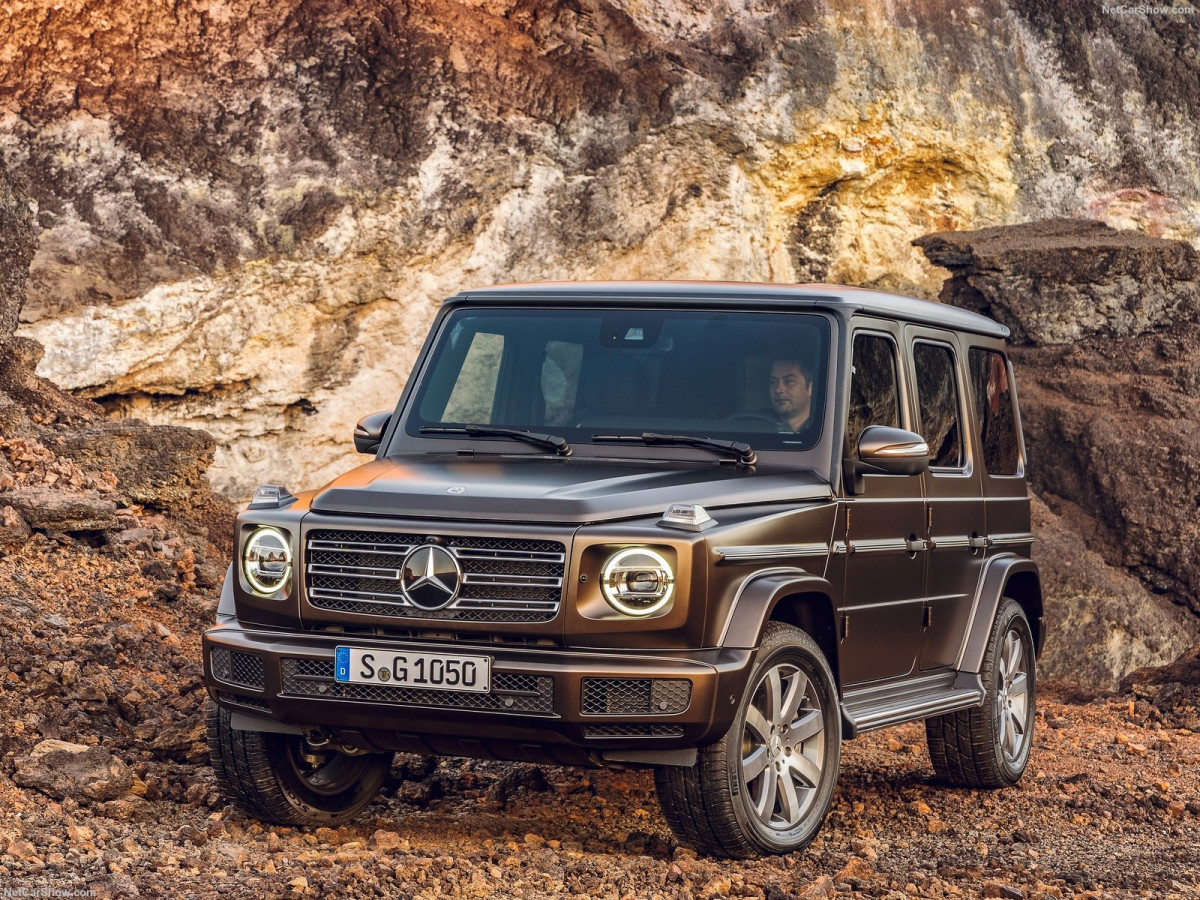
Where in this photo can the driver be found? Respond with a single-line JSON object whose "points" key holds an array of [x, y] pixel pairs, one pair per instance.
{"points": [[791, 392]]}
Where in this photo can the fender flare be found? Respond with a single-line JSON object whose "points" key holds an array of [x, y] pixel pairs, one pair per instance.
{"points": [[757, 598], [993, 584]]}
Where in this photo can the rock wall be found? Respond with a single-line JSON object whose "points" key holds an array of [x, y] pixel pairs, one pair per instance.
{"points": [[69, 474], [1106, 329], [249, 213]]}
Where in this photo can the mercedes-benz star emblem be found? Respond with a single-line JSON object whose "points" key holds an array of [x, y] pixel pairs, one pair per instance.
{"points": [[431, 577]]}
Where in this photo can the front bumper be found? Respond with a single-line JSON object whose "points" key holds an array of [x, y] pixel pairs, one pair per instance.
{"points": [[546, 705]]}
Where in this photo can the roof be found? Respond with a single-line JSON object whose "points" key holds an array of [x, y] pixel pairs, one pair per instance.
{"points": [[732, 293]]}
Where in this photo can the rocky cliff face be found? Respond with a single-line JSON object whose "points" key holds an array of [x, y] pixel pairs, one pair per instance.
{"points": [[249, 212], [72, 479], [1106, 333]]}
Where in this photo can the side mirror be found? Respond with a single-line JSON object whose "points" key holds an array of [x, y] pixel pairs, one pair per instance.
{"points": [[893, 451], [368, 433], [886, 451]]}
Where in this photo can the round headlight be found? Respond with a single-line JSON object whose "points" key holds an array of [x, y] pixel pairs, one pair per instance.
{"points": [[267, 560], [637, 581]]}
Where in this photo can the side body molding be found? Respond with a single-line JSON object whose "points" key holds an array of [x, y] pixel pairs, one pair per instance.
{"points": [[757, 598], [1001, 571]]}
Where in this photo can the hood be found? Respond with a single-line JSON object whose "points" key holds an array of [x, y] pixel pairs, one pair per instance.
{"points": [[553, 490]]}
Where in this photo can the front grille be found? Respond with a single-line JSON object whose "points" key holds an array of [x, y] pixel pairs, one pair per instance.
{"points": [[511, 691], [625, 696], [632, 731], [253, 702], [233, 667], [504, 579]]}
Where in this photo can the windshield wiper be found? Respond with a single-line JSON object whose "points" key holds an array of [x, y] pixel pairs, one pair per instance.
{"points": [[550, 441], [742, 451]]}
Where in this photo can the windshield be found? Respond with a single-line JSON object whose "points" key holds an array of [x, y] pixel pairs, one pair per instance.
{"points": [[581, 374]]}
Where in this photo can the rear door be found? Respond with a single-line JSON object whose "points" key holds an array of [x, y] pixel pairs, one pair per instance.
{"points": [[954, 508]]}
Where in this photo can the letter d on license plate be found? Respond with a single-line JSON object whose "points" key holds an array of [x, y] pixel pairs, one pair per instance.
{"points": [[429, 671]]}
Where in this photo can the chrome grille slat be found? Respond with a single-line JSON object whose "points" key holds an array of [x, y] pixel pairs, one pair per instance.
{"points": [[504, 579], [387, 550], [468, 553], [364, 572], [532, 581]]}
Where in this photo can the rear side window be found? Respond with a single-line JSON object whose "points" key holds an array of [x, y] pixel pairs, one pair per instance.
{"points": [[937, 399], [994, 413], [874, 391]]}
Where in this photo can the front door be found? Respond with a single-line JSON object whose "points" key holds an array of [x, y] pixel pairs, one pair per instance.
{"points": [[883, 593]]}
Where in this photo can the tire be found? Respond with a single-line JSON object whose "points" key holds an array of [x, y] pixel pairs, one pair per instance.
{"points": [[766, 785], [280, 778], [989, 746]]}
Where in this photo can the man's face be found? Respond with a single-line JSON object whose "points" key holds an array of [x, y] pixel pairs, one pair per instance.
{"points": [[791, 394]]}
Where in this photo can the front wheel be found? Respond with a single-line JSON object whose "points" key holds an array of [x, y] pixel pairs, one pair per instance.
{"points": [[281, 778], [766, 785], [988, 747]]}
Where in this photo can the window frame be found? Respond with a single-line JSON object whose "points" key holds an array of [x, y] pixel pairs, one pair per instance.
{"points": [[966, 441], [1016, 414], [902, 396]]}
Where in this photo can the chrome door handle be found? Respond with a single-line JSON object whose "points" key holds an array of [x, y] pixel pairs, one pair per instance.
{"points": [[979, 542], [916, 546]]}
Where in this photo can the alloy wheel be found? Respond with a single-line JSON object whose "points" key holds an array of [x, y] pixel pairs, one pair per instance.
{"points": [[1012, 699], [783, 747]]}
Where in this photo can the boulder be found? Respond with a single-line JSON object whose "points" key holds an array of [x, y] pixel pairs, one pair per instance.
{"points": [[162, 466], [60, 769], [52, 509], [1059, 280]]}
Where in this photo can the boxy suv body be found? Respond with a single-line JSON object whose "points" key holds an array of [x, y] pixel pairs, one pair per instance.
{"points": [[709, 528]]}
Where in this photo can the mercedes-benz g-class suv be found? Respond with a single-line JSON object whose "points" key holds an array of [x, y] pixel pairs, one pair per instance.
{"points": [[714, 529]]}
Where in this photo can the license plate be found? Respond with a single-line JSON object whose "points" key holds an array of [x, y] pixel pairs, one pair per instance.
{"points": [[429, 671]]}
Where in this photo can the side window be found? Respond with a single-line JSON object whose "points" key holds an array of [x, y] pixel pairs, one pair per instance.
{"points": [[474, 393], [560, 380], [874, 390], [994, 412], [937, 399]]}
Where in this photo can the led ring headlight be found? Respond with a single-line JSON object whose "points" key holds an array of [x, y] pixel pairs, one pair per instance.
{"points": [[637, 581], [267, 560]]}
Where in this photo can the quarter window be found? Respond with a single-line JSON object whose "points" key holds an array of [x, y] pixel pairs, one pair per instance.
{"points": [[937, 398], [874, 390], [994, 412]]}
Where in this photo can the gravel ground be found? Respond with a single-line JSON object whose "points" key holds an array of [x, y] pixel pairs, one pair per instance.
{"points": [[1107, 809], [100, 650]]}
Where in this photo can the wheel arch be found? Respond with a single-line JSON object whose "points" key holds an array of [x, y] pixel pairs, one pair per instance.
{"points": [[792, 597], [1008, 575]]}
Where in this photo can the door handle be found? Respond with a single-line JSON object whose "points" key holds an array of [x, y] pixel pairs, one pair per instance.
{"points": [[979, 542], [916, 546]]}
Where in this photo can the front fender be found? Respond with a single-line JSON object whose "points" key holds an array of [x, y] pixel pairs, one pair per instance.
{"points": [[757, 598], [1000, 571]]}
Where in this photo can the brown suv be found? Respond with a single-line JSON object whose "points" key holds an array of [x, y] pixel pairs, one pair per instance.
{"points": [[709, 528]]}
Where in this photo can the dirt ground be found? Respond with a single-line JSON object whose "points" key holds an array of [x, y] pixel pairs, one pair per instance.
{"points": [[1108, 809], [100, 649]]}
